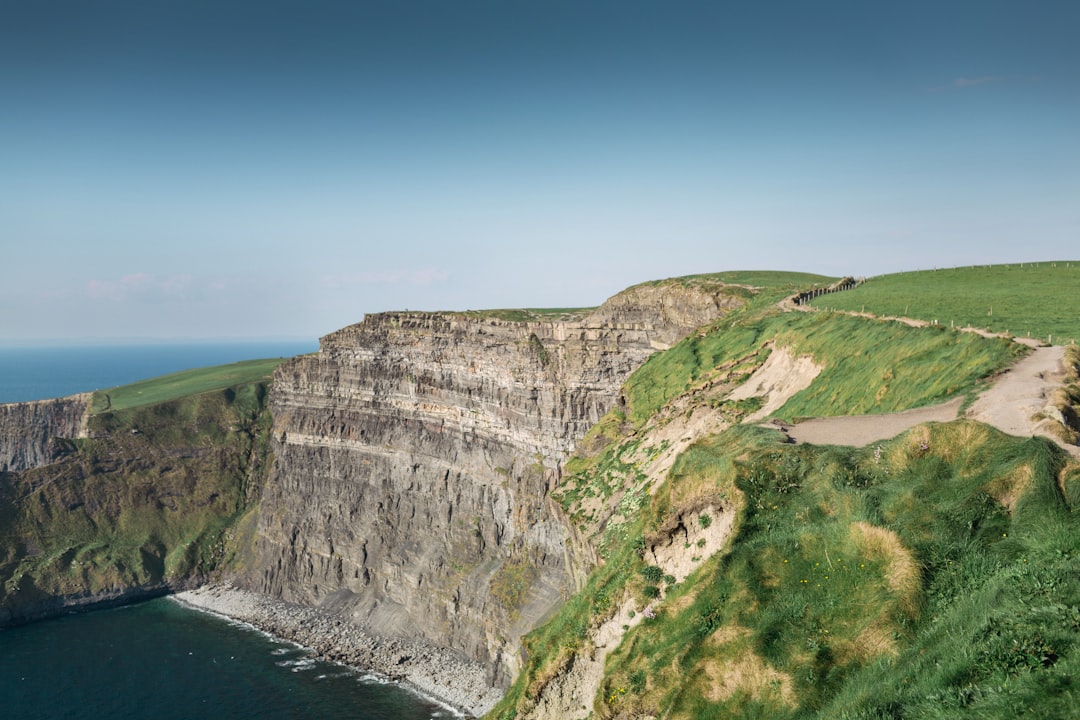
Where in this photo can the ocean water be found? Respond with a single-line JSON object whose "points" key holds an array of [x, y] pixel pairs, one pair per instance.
{"points": [[163, 661], [158, 659], [39, 373]]}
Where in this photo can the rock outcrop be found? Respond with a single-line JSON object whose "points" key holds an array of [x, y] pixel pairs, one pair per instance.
{"points": [[32, 433], [415, 453]]}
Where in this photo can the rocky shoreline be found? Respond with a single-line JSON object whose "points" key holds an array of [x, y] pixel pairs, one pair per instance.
{"points": [[439, 674]]}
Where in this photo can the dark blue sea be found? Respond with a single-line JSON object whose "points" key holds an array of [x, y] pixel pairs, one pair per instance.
{"points": [[161, 661], [157, 659]]}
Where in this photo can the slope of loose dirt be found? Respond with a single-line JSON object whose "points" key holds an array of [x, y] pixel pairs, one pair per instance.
{"points": [[777, 381]]}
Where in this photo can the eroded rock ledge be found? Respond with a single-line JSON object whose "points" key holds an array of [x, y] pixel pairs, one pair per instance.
{"points": [[32, 434]]}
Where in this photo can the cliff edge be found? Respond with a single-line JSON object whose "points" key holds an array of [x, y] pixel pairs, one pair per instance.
{"points": [[415, 454]]}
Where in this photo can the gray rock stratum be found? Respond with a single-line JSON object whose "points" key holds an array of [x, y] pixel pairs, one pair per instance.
{"points": [[415, 454], [32, 434]]}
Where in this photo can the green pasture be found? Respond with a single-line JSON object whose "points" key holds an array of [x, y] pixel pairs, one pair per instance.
{"points": [[182, 384], [1035, 300]]}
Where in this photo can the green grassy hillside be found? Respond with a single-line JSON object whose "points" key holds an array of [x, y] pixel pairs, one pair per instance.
{"points": [[149, 498], [1032, 299], [935, 575]]}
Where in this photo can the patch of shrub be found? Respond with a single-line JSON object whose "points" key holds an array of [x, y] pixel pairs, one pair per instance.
{"points": [[652, 574]]}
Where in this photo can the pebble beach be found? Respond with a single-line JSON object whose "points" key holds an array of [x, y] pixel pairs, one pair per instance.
{"points": [[438, 674]]}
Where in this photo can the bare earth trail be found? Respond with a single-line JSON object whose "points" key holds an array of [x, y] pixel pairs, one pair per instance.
{"points": [[1021, 392], [860, 430], [1011, 403]]}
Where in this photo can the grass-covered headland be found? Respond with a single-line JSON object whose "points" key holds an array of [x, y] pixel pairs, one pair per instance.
{"points": [[183, 384], [149, 499], [934, 575]]}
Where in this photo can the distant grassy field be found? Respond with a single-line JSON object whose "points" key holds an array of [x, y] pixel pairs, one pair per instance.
{"points": [[756, 278], [181, 384], [1036, 299], [527, 314]]}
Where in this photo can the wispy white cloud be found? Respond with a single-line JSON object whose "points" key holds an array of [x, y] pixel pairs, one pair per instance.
{"points": [[137, 285], [421, 276], [964, 82]]}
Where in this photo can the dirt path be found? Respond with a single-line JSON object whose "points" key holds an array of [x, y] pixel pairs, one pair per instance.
{"points": [[1022, 392], [1011, 403], [860, 430]]}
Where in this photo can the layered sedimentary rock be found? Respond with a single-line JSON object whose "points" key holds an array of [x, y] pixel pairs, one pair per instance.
{"points": [[32, 433], [414, 455]]}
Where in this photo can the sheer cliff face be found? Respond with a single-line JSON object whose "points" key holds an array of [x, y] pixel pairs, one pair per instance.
{"points": [[32, 433], [414, 458]]}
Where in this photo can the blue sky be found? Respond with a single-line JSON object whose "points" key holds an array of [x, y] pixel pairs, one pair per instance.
{"points": [[278, 169]]}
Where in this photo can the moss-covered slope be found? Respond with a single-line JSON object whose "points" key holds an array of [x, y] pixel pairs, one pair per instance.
{"points": [[143, 503], [932, 575]]}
